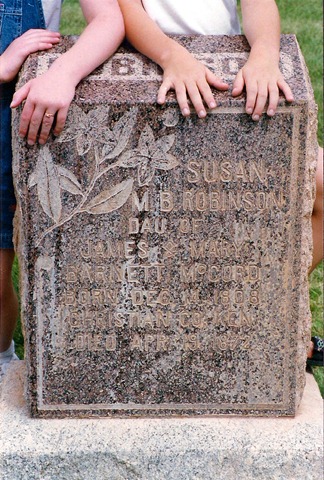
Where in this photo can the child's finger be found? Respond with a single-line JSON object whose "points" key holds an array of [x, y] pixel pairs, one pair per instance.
{"points": [[44, 34], [60, 120], [207, 94], [215, 81], [273, 100], [40, 46], [196, 100], [20, 95], [182, 99], [238, 84], [47, 122], [261, 100], [163, 90], [286, 90], [31, 121], [34, 37], [25, 117], [251, 97], [37, 31]]}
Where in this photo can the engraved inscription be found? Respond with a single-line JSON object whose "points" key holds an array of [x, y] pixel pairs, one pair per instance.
{"points": [[134, 66], [167, 292], [172, 263]]}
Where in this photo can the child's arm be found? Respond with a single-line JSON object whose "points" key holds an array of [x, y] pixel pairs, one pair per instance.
{"points": [[51, 93], [182, 72], [14, 56], [261, 75]]}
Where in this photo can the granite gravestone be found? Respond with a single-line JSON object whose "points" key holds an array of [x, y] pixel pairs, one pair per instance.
{"points": [[164, 260]]}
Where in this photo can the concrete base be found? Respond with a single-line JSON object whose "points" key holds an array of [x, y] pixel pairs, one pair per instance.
{"points": [[159, 449]]}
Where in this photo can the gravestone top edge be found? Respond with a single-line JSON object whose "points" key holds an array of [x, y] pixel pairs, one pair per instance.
{"points": [[218, 52]]}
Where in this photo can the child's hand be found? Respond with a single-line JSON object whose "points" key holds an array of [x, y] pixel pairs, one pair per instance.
{"points": [[188, 77], [263, 80], [48, 98], [14, 56]]}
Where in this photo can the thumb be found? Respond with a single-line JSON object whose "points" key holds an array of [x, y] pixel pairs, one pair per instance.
{"points": [[20, 95], [215, 81], [163, 90]]}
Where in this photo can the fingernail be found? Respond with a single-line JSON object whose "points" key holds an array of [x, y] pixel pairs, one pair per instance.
{"points": [[212, 105], [249, 110], [255, 118], [271, 112], [202, 114], [185, 111], [30, 142]]}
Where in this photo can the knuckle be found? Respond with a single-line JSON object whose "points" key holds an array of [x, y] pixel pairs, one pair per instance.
{"points": [[252, 91], [34, 122], [262, 95], [24, 118]]}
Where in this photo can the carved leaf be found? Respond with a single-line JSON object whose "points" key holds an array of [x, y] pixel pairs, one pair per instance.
{"points": [[122, 132], [168, 162], [111, 199], [165, 143], [145, 173], [68, 181], [33, 179], [97, 119], [109, 146], [97, 126], [69, 134], [76, 123], [146, 141], [48, 186], [129, 159], [83, 144]]}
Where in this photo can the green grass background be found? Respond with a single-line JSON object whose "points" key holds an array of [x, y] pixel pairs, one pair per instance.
{"points": [[305, 19]]}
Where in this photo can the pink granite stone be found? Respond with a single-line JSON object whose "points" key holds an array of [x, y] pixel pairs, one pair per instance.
{"points": [[164, 259]]}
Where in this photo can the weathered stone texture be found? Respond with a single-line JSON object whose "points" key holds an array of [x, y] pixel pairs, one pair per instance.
{"points": [[164, 260]]}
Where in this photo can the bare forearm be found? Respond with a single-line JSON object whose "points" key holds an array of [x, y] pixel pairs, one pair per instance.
{"points": [[143, 33], [261, 25], [261, 75], [46, 105], [99, 40]]}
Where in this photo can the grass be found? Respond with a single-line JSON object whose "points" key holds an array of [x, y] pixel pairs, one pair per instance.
{"points": [[72, 21], [305, 19]]}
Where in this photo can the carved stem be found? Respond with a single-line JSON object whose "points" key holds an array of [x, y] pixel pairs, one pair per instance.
{"points": [[78, 208]]}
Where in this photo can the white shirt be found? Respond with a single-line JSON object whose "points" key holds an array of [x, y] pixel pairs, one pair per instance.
{"points": [[204, 17], [52, 14]]}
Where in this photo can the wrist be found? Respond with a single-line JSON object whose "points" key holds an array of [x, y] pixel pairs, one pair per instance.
{"points": [[66, 70], [168, 52], [262, 49], [5, 75]]}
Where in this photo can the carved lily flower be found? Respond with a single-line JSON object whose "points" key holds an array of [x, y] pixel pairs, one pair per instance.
{"points": [[86, 129], [90, 129], [149, 156]]}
